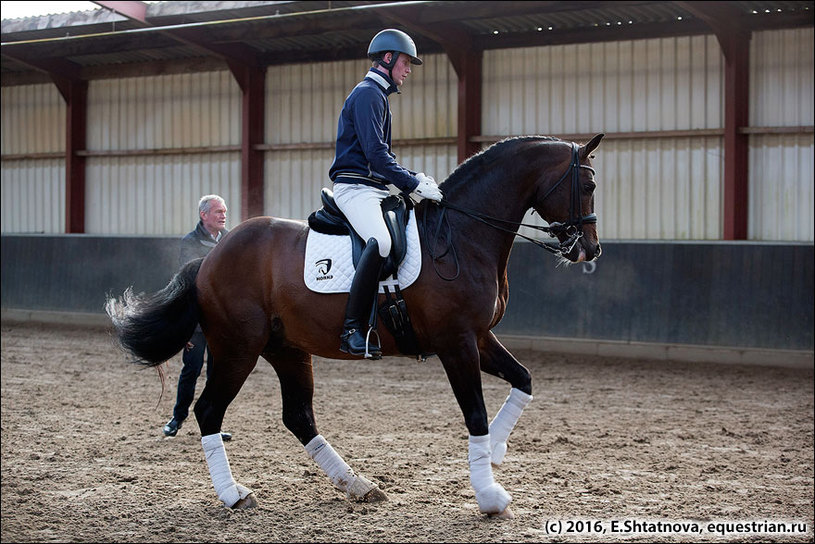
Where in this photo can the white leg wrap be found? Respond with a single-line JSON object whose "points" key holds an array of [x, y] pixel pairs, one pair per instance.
{"points": [[225, 486], [491, 497], [338, 471], [505, 421]]}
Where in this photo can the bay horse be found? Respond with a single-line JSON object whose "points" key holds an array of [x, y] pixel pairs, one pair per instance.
{"points": [[249, 296]]}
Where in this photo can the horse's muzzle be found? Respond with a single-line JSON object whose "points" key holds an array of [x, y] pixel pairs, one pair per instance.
{"points": [[583, 252]]}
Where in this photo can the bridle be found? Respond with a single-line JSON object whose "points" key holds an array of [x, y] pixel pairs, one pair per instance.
{"points": [[573, 227]]}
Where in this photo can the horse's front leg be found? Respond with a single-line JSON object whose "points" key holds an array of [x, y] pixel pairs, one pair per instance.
{"points": [[295, 371], [496, 360], [462, 367]]}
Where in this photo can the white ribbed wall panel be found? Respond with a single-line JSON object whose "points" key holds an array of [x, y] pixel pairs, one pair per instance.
{"points": [[293, 181], [303, 106], [33, 119], [782, 67], [160, 112], [303, 101], [648, 188], [33, 196], [438, 161], [427, 106], [33, 189], [781, 173], [668, 188], [158, 195], [781, 197], [625, 86]]}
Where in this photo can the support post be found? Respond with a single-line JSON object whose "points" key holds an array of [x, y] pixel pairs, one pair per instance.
{"points": [[75, 93], [252, 81]]}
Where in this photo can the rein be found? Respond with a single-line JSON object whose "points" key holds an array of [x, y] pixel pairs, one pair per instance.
{"points": [[573, 227]]}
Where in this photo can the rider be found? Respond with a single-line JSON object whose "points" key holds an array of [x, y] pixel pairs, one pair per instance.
{"points": [[363, 167]]}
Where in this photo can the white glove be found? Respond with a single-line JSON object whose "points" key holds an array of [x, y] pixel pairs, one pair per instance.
{"points": [[427, 188], [421, 176]]}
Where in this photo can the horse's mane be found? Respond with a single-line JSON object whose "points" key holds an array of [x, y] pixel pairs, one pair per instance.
{"points": [[478, 161]]}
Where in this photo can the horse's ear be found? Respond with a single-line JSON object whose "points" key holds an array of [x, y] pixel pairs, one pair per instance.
{"points": [[591, 146]]}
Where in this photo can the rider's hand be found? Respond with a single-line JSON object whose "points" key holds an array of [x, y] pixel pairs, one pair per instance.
{"points": [[421, 176], [427, 188]]}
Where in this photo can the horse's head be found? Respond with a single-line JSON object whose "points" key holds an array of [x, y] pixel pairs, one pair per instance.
{"points": [[565, 199]]}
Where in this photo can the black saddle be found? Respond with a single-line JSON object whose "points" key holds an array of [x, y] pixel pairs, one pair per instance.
{"points": [[395, 210]]}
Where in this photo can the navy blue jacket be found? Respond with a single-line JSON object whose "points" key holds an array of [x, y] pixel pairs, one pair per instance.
{"points": [[363, 153]]}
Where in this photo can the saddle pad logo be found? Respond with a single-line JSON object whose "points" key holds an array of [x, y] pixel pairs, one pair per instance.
{"points": [[323, 267]]}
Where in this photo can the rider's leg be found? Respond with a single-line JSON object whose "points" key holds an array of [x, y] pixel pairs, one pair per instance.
{"points": [[360, 303], [361, 205]]}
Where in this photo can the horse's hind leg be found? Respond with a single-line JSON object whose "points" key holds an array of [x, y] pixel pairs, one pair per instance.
{"points": [[496, 360], [295, 371], [228, 376]]}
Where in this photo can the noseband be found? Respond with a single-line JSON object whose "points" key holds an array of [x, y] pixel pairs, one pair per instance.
{"points": [[573, 227]]}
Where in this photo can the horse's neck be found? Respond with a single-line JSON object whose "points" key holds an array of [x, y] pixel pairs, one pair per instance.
{"points": [[504, 193], [504, 187]]}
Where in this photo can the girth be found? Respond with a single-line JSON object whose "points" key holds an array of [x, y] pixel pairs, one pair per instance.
{"points": [[395, 211]]}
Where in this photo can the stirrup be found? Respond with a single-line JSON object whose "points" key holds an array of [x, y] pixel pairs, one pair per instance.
{"points": [[368, 355], [363, 351]]}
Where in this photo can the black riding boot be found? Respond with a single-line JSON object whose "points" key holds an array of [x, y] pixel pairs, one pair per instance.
{"points": [[361, 301]]}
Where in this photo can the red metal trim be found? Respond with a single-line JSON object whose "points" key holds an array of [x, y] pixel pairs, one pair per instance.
{"points": [[130, 9], [734, 38], [469, 103], [736, 142], [76, 130], [252, 82]]}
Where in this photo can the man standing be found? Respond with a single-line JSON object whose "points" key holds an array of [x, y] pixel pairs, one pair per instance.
{"points": [[210, 230]]}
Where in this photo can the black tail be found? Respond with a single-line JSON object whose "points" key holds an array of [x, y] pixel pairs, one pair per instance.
{"points": [[154, 327]]}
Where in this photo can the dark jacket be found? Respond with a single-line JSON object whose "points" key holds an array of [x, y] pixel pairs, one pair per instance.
{"points": [[197, 243], [363, 152]]}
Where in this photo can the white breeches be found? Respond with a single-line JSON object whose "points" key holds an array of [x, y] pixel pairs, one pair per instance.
{"points": [[361, 205]]}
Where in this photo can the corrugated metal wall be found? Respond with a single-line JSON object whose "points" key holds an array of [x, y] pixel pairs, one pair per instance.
{"points": [[32, 187], [142, 189], [781, 170], [427, 108], [667, 188], [650, 188], [302, 108]]}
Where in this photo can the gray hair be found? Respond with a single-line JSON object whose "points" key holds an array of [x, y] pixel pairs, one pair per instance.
{"points": [[204, 204]]}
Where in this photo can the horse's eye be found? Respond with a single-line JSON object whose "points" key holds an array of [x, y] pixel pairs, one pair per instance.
{"points": [[590, 187]]}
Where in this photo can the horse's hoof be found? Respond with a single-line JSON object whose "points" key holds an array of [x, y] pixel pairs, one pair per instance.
{"points": [[375, 495], [506, 514], [364, 490], [244, 504]]}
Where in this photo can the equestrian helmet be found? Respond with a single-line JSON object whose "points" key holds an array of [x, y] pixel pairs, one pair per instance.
{"points": [[393, 40]]}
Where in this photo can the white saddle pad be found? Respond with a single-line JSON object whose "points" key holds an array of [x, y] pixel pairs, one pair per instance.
{"points": [[328, 267]]}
